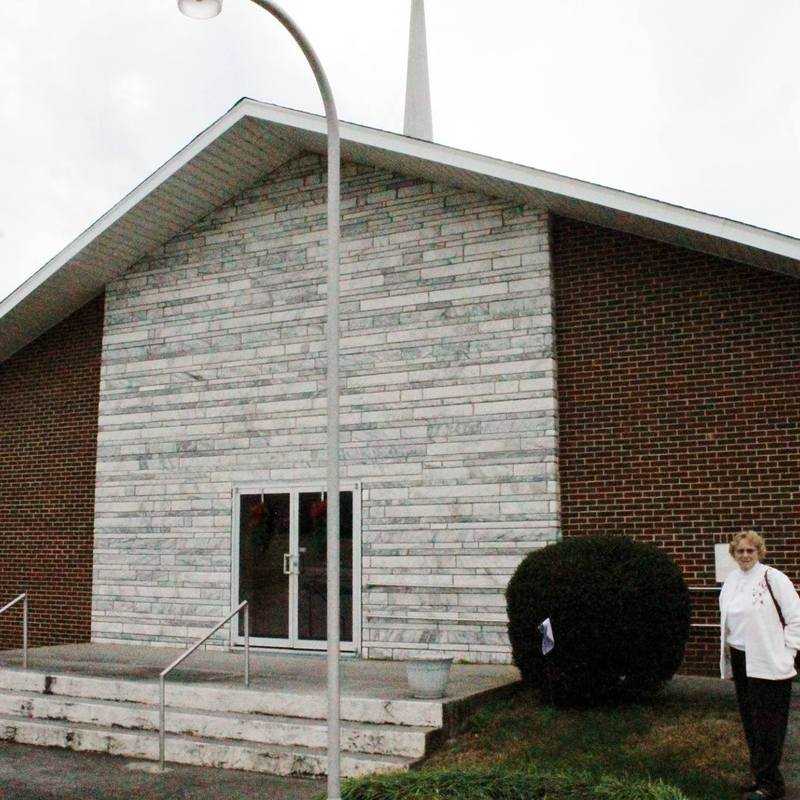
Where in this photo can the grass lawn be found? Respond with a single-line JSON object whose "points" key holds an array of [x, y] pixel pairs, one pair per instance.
{"points": [[695, 744]]}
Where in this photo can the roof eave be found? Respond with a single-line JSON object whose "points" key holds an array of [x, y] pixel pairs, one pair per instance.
{"points": [[111, 245]]}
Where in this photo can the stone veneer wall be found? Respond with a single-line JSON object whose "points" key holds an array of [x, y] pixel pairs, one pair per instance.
{"points": [[213, 375]]}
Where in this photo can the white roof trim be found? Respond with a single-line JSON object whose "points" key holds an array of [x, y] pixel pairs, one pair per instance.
{"points": [[119, 210], [719, 227], [24, 314]]}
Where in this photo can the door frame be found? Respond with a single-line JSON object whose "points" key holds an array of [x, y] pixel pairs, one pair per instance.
{"points": [[293, 643]]}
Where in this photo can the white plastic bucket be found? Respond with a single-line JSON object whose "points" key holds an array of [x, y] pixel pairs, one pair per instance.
{"points": [[427, 677]]}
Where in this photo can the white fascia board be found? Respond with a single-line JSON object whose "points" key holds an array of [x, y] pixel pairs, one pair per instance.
{"points": [[624, 202], [418, 149], [149, 184]]}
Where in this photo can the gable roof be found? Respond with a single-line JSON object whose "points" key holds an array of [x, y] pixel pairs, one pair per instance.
{"points": [[254, 138]]}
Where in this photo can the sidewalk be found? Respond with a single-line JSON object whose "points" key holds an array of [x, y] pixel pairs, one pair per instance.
{"points": [[690, 687], [39, 773], [49, 773]]}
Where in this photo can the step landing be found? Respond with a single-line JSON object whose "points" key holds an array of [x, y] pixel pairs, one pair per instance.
{"points": [[271, 730]]}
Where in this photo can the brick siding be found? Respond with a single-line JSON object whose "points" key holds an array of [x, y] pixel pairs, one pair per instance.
{"points": [[48, 443], [679, 403]]}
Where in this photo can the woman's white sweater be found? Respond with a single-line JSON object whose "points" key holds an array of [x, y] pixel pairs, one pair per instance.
{"points": [[769, 648]]}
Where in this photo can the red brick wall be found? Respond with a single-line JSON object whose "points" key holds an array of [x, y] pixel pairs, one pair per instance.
{"points": [[48, 442], [679, 403]]}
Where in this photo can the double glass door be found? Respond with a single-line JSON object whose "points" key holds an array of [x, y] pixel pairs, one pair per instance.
{"points": [[280, 566]]}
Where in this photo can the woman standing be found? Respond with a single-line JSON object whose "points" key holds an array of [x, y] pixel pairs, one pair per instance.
{"points": [[760, 634]]}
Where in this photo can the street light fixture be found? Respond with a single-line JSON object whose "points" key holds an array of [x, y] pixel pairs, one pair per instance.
{"points": [[200, 9], [206, 9]]}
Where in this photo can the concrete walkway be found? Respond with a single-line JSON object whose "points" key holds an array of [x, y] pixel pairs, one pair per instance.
{"points": [[694, 688], [301, 673], [49, 773], [35, 773], [74, 686]]}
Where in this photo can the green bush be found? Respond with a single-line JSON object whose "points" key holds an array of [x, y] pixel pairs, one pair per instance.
{"points": [[620, 614], [504, 784]]}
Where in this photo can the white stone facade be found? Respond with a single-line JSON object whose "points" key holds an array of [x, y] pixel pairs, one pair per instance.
{"points": [[213, 377]]}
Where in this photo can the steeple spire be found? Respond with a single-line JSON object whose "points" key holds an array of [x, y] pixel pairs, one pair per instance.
{"points": [[418, 119]]}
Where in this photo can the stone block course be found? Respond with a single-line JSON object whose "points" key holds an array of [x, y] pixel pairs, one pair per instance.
{"points": [[213, 376]]}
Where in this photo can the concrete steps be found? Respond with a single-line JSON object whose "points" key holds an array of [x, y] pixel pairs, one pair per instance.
{"points": [[410, 741], [274, 759], [210, 697], [211, 725]]}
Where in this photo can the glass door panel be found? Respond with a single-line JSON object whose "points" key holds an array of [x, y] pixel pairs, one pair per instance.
{"points": [[312, 567], [264, 539]]}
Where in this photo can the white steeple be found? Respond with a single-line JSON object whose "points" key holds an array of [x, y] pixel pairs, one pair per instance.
{"points": [[419, 119]]}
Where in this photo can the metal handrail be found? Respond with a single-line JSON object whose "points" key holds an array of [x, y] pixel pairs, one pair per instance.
{"points": [[184, 656], [704, 589], [24, 598]]}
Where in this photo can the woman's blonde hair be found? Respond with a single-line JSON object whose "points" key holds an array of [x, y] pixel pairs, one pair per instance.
{"points": [[752, 536]]}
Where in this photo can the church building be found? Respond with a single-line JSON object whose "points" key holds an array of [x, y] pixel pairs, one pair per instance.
{"points": [[524, 356]]}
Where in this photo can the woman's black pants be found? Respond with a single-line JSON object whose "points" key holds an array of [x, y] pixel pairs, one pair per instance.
{"points": [[764, 708]]}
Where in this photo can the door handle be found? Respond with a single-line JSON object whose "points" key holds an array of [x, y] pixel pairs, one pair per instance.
{"points": [[292, 564]]}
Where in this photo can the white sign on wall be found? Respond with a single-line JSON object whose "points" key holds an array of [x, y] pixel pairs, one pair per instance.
{"points": [[723, 562]]}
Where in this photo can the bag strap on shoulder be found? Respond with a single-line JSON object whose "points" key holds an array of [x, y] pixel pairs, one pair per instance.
{"points": [[777, 607]]}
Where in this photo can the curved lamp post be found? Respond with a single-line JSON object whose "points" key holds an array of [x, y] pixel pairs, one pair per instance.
{"points": [[206, 9]]}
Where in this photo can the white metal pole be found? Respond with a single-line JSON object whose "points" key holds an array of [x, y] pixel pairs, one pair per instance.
{"points": [[247, 645], [207, 9], [334, 157], [162, 727], [25, 632]]}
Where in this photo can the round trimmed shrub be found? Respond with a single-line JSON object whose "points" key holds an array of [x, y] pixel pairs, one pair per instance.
{"points": [[620, 614]]}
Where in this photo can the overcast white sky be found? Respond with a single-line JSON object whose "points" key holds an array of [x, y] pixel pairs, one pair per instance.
{"points": [[692, 102]]}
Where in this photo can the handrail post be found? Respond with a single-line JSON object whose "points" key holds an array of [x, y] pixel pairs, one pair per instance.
{"points": [[247, 645], [24, 598], [25, 632], [162, 713], [162, 733]]}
